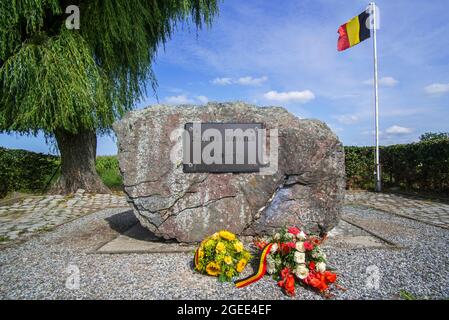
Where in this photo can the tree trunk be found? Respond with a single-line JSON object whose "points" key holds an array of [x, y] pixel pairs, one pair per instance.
{"points": [[78, 155]]}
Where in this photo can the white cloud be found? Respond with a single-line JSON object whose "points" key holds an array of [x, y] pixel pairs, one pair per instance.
{"points": [[202, 99], [184, 99], [385, 81], [250, 81], [244, 81], [437, 88], [398, 130], [348, 118], [181, 99], [222, 81], [290, 96]]}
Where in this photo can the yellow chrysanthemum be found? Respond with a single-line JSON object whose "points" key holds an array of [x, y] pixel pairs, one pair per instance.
{"points": [[227, 235], [228, 260], [213, 269], [220, 248], [241, 265], [215, 236], [238, 246], [230, 273], [209, 243]]}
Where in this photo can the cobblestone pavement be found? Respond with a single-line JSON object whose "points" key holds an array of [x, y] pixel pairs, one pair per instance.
{"points": [[35, 214], [414, 207], [41, 213]]}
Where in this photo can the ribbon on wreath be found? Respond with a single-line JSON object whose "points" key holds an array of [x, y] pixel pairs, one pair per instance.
{"points": [[196, 258], [260, 272]]}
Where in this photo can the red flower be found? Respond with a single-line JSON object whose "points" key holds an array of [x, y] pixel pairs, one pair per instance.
{"points": [[312, 265], [308, 246], [323, 286], [260, 244], [290, 285], [293, 230], [286, 247], [285, 272], [314, 282], [330, 277]]}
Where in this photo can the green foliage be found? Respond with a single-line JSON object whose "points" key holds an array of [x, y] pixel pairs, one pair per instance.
{"points": [[30, 172], [53, 78], [108, 170], [422, 166], [429, 136], [25, 171], [54, 83]]}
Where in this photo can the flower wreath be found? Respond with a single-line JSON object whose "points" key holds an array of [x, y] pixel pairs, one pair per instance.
{"points": [[292, 257]]}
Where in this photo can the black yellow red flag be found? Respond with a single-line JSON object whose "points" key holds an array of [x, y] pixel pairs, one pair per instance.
{"points": [[354, 31]]}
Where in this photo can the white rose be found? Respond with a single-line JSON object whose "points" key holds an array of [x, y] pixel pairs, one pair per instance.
{"points": [[277, 236], [302, 236], [271, 265], [274, 248], [320, 266], [271, 268], [301, 271], [300, 257], [300, 247]]}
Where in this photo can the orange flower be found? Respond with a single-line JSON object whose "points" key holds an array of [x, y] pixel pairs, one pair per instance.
{"points": [[330, 277], [315, 282], [323, 286], [285, 272], [289, 285]]}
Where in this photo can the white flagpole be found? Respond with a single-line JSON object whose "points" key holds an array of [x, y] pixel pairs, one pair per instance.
{"points": [[376, 97]]}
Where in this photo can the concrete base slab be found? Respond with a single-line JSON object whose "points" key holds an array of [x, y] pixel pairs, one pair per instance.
{"points": [[346, 235], [138, 239]]}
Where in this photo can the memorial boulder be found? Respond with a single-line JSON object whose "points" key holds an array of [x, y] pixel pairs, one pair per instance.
{"points": [[303, 184]]}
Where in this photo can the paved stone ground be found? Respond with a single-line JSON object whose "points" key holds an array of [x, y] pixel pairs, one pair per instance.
{"points": [[414, 207], [48, 266], [35, 214], [43, 266]]}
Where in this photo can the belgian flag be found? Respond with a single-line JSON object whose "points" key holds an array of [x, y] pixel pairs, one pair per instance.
{"points": [[354, 31]]}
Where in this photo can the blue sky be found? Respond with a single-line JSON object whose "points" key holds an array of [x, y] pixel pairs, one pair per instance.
{"points": [[265, 53]]}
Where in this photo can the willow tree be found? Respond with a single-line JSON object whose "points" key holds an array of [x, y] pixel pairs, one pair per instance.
{"points": [[74, 83]]}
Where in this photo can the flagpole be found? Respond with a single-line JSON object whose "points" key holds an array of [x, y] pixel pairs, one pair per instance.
{"points": [[376, 98]]}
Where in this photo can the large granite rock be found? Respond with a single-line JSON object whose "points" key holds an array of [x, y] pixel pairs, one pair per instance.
{"points": [[307, 190]]}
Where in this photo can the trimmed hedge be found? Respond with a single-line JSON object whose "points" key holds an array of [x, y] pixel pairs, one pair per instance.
{"points": [[25, 171], [422, 166], [30, 172]]}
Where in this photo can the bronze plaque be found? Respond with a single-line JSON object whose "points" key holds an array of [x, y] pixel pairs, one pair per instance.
{"points": [[222, 147]]}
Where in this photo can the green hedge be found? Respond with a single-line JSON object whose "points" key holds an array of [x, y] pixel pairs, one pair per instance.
{"points": [[422, 166], [26, 171], [107, 168]]}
